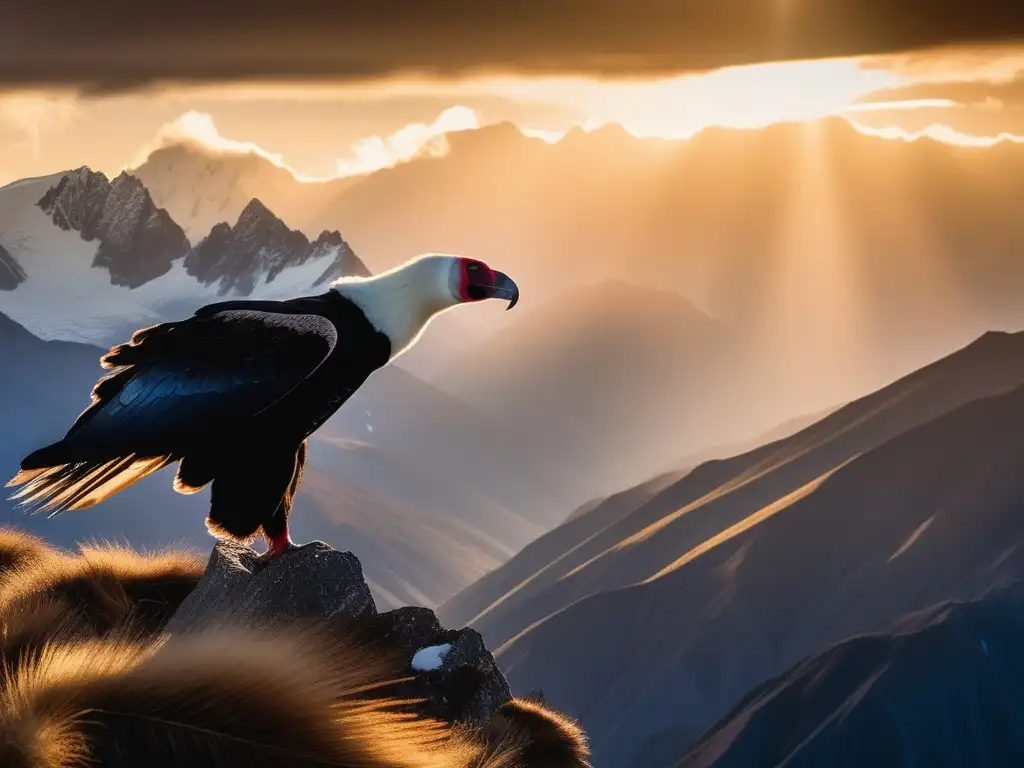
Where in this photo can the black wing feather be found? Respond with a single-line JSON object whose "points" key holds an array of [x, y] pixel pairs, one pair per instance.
{"points": [[203, 374]]}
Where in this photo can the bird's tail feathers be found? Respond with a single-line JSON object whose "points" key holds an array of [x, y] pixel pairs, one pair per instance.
{"points": [[46, 457], [80, 485]]}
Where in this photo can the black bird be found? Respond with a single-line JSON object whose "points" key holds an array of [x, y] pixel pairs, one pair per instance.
{"points": [[232, 393]]}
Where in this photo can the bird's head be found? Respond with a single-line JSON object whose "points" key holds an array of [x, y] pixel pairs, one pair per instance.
{"points": [[462, 280], [401, 301]]}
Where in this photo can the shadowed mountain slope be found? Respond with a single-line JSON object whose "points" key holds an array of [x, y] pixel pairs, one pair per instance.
{"points": [[694, 592], [930, 515], [609, 546], [940, 688], [604, 366]]}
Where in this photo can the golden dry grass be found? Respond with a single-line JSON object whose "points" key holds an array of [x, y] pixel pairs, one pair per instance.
{"points": [[89, 679]]}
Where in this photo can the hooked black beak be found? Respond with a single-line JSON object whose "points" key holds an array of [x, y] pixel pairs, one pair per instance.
{"points": [[505, 288], [489, 284]]}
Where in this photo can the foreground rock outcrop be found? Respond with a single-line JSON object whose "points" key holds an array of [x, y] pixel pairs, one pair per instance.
{"points": [[245, 663], [460, 681]]}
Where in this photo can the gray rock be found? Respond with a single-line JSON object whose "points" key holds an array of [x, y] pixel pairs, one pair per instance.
{"points": [[466, 687], [409, 629], [318, 582], [313, 581], [11, 273]]}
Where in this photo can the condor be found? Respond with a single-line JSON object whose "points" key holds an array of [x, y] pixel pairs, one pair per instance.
{"points": [[232, 393]]}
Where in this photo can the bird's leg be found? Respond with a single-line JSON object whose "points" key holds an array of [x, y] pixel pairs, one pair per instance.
{"points": [[275, 531], [276, 528], [279, 544]]}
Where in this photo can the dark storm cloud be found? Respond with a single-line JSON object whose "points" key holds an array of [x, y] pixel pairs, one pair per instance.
{"points": [[125, 43]]}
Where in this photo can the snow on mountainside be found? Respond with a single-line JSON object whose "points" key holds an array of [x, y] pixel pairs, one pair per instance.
{"points": [[201, 187], [89, 260], [137, 241], [261, 245]]}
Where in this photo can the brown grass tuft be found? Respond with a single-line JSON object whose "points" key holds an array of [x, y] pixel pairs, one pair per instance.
{"points": [[102, 588]]}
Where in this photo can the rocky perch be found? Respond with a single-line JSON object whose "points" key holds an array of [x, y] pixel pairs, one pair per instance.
{"points": [[451, 670]]}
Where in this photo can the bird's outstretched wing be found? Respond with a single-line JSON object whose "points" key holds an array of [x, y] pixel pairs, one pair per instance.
{"points": [[170, 384]]}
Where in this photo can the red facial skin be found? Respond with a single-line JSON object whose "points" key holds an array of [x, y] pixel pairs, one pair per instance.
{"points": [[472, 272]]}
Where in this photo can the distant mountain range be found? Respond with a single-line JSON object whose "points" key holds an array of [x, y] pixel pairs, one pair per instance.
{"points": [[803, 243], [657, 609], [201, 188], [722, 215], [603, 366], [831, 261], [941, 687], [817, 263], [88, 259], [259, 247]]}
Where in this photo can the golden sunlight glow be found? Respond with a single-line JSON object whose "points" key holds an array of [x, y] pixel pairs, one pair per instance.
{"points": [[993, 64], [816, 276], [198, 129], [734, 97], [32, 114], [747, 97], [887, 106], [365, 156], [938, 132], [373, 153], [550, 137]]}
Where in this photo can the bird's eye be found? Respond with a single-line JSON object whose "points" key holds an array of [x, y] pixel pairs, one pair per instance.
{"points": [[472, 267]]}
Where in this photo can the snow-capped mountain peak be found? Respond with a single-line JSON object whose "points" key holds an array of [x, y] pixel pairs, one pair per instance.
{"points": [[84, 258], [260, 245], [138, 242]]}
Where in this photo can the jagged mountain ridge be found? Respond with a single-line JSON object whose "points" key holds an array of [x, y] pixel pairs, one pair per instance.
{"points": [[88, 259], [260, 245], [138, 242]]}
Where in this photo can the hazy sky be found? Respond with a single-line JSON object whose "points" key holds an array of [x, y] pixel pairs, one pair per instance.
{"points": [[329, 88]]}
